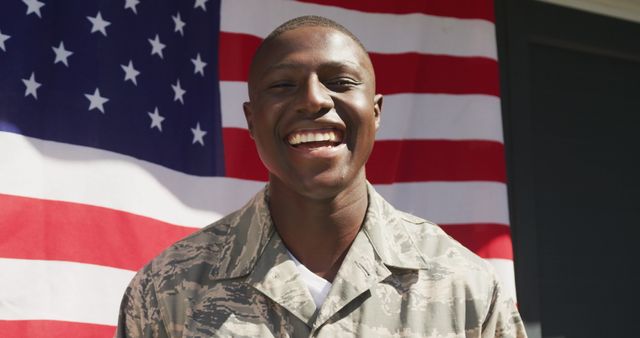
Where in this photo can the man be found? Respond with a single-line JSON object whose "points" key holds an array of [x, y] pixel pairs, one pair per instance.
{"points": [[318, 252]]}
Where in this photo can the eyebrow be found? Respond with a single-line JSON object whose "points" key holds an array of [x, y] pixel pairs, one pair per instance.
{"points": [[296, 65]]}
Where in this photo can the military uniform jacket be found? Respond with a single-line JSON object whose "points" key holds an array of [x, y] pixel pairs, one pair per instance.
{"points": [[402, 277]]}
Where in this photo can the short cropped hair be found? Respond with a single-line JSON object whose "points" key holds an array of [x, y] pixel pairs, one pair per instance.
{"points": [[310, 21], [302, 21]]}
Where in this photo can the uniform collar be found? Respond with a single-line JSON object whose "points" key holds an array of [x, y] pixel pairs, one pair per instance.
{"points": [[250, 229], [246, 233], [385, 228], [256, 252]]}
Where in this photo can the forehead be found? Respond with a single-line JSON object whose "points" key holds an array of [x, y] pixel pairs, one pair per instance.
{"points": [[308, 46]]}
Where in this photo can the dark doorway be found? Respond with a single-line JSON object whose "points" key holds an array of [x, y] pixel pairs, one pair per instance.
{"points": [[571, 106]]}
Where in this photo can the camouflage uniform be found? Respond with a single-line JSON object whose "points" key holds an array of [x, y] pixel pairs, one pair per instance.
{"points": [[402, 277]]}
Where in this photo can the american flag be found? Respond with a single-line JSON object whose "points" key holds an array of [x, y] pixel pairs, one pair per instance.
{"points": [[121, 131]]}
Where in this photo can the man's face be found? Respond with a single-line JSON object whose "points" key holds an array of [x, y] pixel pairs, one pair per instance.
{"points": [[313, 112]]}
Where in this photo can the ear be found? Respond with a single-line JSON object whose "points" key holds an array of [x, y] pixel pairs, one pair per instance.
{"points": [[377, 108], [248, 115]]}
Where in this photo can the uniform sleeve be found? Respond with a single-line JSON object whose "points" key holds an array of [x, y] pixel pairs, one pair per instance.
{"points": [[139, 312], [503, 319]]}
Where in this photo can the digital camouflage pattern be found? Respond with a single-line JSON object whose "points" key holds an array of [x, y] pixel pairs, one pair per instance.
{"points": [[402, 277]]}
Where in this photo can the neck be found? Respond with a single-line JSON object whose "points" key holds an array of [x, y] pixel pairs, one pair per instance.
{"points": [[318, 232]]}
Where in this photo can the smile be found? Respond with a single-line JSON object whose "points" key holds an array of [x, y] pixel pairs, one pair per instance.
{"points": [[312, 138]]}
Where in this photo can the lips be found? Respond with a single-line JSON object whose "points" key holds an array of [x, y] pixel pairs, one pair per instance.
{"points": [[315, 137]]}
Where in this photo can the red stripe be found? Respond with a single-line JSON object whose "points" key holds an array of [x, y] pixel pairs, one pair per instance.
{"points": [[395, 73], [33, 228], [102, 236], [486, 240], [241, 157], [436, 160], [463, 9], [391, 160], [54, 329], [441, 74], [235, 53]]}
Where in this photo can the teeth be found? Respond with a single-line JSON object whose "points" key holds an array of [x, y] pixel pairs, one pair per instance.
{"points": [[311, 136]]}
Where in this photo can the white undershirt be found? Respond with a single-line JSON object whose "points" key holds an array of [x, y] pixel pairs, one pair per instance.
{"points": [[318, 286]]}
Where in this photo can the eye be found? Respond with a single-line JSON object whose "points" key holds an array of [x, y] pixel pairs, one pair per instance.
{"points": [[342, 83], [281, 84]]}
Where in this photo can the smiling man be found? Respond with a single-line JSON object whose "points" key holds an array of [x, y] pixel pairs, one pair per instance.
{"points": [[317, 252]]}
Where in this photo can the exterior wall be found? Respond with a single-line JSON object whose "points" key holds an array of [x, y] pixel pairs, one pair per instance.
{"points": [[622, 9]]}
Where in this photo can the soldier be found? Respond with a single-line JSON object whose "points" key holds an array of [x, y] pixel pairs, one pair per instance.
{"points": [[317, 252]]}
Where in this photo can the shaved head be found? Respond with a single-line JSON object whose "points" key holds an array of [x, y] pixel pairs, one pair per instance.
{"points": [[301, 22], [310, 21]]}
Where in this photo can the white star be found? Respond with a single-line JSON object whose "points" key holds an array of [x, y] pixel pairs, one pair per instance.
{"points": [[130, 73], [32, 86], [3, 38], [33, 6], [178, 92], [98, 24], [131, 4], [179, 24], [201, 4], [157, 46], [198, 134], [156, 119], [96, 101], [61, 54], [198, 65]]}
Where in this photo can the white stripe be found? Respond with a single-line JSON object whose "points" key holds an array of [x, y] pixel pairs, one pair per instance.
{"points": [[232, 95], [381, 33], [58, 171], [448, 117], [52, 290], [405, 116], [450, 202], [504, 270]]}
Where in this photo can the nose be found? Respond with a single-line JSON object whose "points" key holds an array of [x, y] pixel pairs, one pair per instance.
{"points": [[313, 97]]}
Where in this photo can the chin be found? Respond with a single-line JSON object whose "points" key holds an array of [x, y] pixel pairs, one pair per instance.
{"points": [[325, 185]]}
